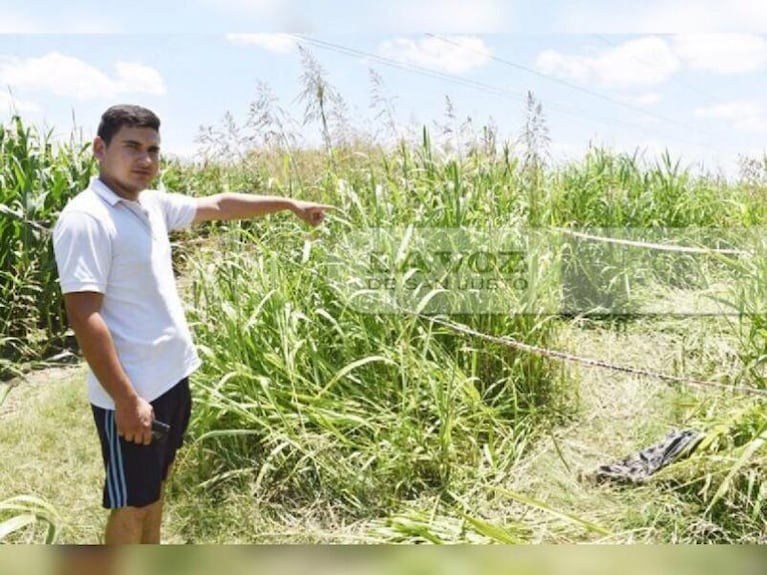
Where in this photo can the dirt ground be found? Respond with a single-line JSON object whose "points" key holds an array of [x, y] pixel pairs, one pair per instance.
{"points": [[22, 390]]}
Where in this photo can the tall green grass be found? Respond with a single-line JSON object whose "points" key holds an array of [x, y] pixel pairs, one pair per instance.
{"points": [[316, 399], [306, 400]]}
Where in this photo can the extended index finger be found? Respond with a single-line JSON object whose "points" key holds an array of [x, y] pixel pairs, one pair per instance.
{"points": [[322, 207]]}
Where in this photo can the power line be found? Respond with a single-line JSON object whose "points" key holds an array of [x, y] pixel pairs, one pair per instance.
{"points": [[410, 67], [571, 85], [685, 84], [481, 86]]}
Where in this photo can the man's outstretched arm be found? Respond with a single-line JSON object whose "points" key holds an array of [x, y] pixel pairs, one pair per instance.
{"points": [[239, 206]]}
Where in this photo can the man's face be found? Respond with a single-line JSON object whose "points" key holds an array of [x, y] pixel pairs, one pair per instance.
{"points": [[131, 160]]}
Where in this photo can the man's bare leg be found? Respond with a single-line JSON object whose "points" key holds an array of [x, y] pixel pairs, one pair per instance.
{"points": [[131, 525], [153, 520], [125, 525]]}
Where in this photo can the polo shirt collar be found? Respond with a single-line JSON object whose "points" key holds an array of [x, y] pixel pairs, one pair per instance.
{"points": [[104, 192]]}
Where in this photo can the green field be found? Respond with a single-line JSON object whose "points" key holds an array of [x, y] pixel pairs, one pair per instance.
{"points": [[320, 419]]}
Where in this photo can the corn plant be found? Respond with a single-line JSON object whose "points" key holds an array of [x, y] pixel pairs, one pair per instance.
{"points": [[36, 179]]}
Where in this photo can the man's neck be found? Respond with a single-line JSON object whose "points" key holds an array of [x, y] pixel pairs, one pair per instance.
{"points": [[118, 189]]}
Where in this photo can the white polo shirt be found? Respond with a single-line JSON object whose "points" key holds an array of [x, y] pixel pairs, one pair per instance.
{"points": [[120, 248]]}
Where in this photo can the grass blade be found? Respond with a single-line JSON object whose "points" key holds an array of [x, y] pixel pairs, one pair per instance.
{"points": [[570, 518]]}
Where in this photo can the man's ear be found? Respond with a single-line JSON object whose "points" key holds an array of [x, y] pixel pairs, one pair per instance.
{"points": [[99, 148]]}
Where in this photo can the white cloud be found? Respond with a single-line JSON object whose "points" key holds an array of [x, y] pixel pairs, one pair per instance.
{"points": [[455, 54], [257, 6], [134, 77], [13, 22], [722, 53], [10, 104], [393, 16], [67, 76], [646, 99], [652, 60], [265, 15], [744, 115], [728, 111], [268, 15], [446, 16], [279, 43], [641, 62], [696, 16], [664, 16]]}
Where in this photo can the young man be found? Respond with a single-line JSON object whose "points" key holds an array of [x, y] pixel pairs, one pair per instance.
{"points": [[114, 260]]}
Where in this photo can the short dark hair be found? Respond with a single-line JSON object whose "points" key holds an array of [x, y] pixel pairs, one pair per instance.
{"points": [[126, 115]]}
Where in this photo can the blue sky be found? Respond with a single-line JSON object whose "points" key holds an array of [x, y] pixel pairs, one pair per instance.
{"points": [[687, 76]]}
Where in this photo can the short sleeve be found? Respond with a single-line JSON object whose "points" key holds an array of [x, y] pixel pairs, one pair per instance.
{"points": [[179, 209], [83, 253]]}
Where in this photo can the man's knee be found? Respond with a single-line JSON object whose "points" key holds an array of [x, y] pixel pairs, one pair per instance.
{"points": [[134, 513]]}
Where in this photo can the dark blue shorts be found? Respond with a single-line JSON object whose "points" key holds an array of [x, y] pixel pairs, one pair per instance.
{"points": [[135, 472]]}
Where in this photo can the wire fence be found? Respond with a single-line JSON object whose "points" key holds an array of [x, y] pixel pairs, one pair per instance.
{"points": [[556, 354], [653, 245], [568, 357]]}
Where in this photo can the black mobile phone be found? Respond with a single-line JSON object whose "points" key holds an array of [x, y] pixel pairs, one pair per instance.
{"points": [[159, 429]]}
